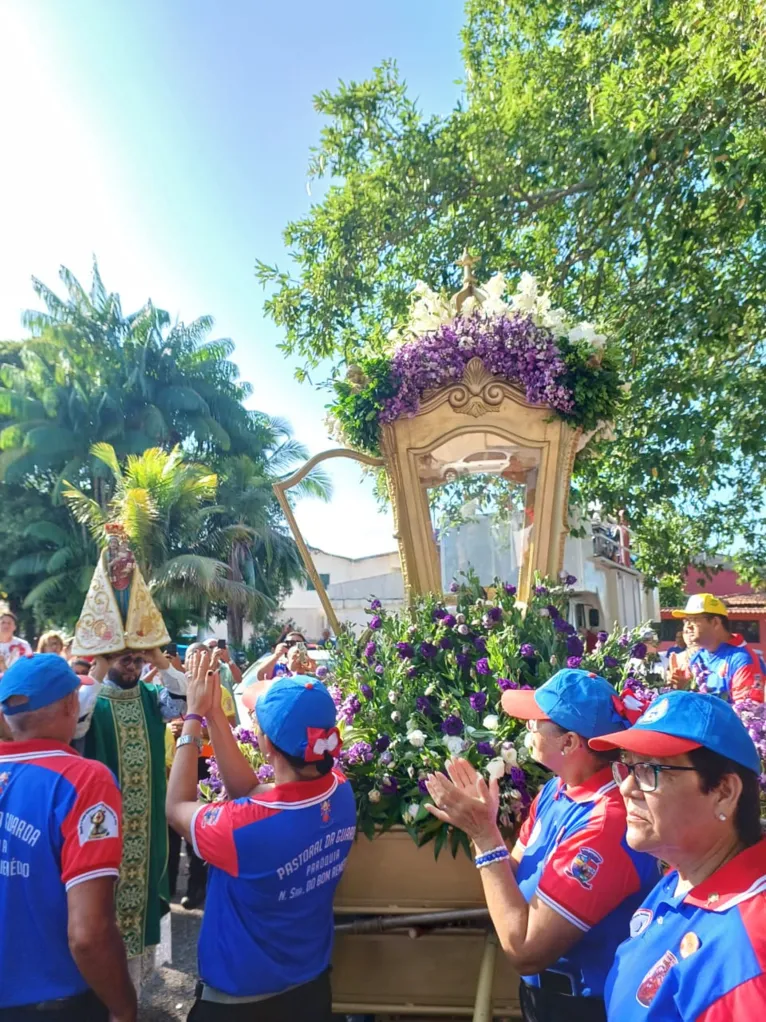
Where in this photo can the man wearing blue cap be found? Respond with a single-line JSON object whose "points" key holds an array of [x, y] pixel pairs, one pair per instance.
{"points": [[60, 847], [276, 852], [562, 899]]}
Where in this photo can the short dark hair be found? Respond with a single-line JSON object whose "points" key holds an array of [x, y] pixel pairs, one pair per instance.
{"points": [[711, 768], [721, 617], [324, 765]]}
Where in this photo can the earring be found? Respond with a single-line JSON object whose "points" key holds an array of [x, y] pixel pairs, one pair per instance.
{"points": [[722, 817]]}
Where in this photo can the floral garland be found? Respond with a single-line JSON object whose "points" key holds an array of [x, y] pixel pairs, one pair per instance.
{"points": [[525, 340], [426, 683]]}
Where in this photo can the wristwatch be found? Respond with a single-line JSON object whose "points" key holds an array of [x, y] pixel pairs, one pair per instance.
{"points": [[187, 740]]}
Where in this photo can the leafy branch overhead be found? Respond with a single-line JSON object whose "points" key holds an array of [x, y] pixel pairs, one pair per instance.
{"points": [[616, 150]]}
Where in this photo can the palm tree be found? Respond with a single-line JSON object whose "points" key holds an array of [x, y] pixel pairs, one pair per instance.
{"points": [[91, 374], [166, 505]]}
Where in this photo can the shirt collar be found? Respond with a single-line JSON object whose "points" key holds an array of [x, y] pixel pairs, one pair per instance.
{"points": [[598, 784], [297, 794], [738, 880], [11, 750]]}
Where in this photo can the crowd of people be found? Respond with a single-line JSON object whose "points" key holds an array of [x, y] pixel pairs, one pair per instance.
{"points": [[634, 889]]}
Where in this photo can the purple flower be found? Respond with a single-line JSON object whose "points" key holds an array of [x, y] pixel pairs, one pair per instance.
{"points": [[495, 614], [386, 757], [246, 736], [445, 642], [624, 641], [510, 590], [366, 691], [480, 644], [423, 705], [370, 650], [360, 752], [639, 651], [321, 672], [375, 604], [265, 773], [439, 613], [478, 700], [453, 587], [575, 646], [485, 748], [390, 786], [518, 777], [412, 672], [452, 725], [561, 625], [405, 650], [482, 666], [375, 623], [463, 660], [527, 651], [428, 650], [570, 580], [553, 612], [541, 590], [422, 788], [611, 661], [449, 621], [504, 684], [336, 694], [382, 743], [349, 709], [602, 636], [379, 668], [574, 662]]}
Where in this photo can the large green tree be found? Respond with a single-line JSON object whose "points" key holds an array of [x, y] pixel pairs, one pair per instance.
{"points": [[616, 149]]}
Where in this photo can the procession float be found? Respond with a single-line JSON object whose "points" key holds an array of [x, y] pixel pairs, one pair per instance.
{"points": [[472, 418]]}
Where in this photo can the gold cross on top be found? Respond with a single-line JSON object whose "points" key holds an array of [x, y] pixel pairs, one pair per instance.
{"points": [[467, 261]]}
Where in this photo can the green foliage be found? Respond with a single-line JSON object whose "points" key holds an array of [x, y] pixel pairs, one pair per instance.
{"points": [[357, 408], [672, 590], [616, 149]]}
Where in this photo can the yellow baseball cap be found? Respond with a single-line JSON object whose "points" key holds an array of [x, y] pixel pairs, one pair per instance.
{"points": [[702, 603]]}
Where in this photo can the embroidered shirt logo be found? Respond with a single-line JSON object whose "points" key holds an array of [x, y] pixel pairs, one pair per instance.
{"points": [[640, 921], [210, 816], [4, 778], [325, 809], [654, 979], [584, 867], [97, 823]]}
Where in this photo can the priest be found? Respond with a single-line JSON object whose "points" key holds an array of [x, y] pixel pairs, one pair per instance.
{"points": [[124, 727]]}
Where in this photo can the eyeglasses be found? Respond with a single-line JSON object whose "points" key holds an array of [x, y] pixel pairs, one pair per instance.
{"points": [[646, 775], [534, 726]]}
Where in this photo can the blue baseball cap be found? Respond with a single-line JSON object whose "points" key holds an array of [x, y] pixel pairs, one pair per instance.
{"points": [[42, 679], [575, 700], [298, 716], [681, 721]]}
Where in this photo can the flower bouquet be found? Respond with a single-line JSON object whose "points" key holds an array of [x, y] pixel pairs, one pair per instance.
{"points": [[425, 684]]}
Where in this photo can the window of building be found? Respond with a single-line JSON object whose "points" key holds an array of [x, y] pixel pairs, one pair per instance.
{"points": [[324, 576]]}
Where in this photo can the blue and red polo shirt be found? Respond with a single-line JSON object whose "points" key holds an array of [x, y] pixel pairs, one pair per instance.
{"points": [[730, 671], [59, 826], [275, 860], [577, 861], [699, 956]]}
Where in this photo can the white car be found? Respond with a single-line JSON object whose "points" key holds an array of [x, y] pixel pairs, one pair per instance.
{"points": [[479, 461]]}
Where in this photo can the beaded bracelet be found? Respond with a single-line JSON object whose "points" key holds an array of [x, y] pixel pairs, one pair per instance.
{"points": [[496, 855]]}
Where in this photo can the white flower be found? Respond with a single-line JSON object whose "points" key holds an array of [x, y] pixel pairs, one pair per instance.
{"points": [[544, 612], [508, 752], [374, 795], [514, 793], [396, 716], [411, 725], [496, 768], [392, 697], [417, 738], [411, 771], [460, 618], [429, 690], [462, 629], [491, 722], [455, 744], [587, 332], [412, 811], [412, 630]]}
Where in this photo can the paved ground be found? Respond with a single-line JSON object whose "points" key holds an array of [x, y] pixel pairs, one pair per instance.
{"points": [[168, 995]]}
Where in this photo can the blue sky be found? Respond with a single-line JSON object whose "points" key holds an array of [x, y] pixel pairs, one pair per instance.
{"points": [[171, 138]]}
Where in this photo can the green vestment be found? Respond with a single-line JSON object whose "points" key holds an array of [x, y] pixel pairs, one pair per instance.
{"points": [[127, 733]]}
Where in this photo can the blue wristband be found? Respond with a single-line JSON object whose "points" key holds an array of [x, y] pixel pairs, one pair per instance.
{"points": [[496, 855]]}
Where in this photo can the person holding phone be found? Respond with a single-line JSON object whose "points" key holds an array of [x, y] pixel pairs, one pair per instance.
{"points": [[290, 657]]}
